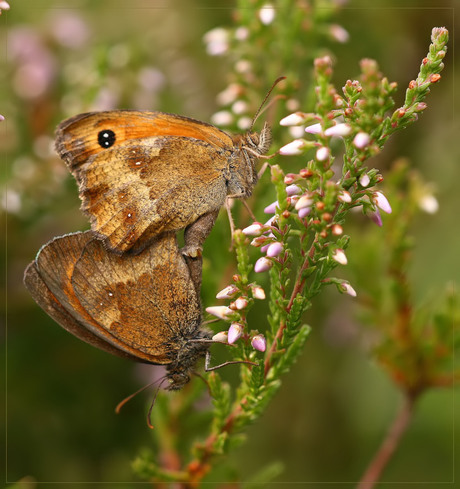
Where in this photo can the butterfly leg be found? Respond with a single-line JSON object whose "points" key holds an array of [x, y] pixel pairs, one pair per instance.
{"points": [[196, 233], [195, 266], [208, 368]]}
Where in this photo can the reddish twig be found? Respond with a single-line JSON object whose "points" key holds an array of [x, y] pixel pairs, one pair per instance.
{"points": [[388, 447]]}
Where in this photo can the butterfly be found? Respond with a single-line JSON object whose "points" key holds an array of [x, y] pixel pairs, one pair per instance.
{"points": [[144, 307], [143, 173]]}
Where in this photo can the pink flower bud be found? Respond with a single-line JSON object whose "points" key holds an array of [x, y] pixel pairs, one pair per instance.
{"points": [[339, 256], [305, 201], [221, 312], [294, 119], [264, 248], [361, 140], [259, 241], [227, 293], [344, 196], [348, 289], [304, 212], [429, 204], [337, 230], [382, 202], [293, 190], [290, 178], [255, 229], [314, 129], [338, 130], [222, 118], [274, 249], [295, 147], [420, 107], [221, 337], [2, 118], [234, 333], [262, 265], [258, 292], [323, 153], [364, 180], [241, 303], [375, 216], [267, 14], [339, 33], [269, 222], [271, 209], [259, 342]]}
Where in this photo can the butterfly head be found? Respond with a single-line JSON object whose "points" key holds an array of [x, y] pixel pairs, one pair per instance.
{"points": [[187, 352], [242, 165]]}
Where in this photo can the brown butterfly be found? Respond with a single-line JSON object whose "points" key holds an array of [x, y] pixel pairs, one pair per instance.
{"points": [[143, 173], [144, 307]]}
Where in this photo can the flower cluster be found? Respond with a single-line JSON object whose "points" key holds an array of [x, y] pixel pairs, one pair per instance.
{"points": [[244, 44], [242, 297]]}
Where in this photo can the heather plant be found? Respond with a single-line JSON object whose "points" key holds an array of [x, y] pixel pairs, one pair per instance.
{"points": [[303, 243]]}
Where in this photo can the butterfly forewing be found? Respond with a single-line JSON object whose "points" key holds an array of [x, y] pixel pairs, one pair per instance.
{"points": [[144, 173], [142, 186]]}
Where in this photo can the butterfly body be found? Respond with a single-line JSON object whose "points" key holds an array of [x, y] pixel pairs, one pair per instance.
{"points": [[144, 173], [144, 307]]}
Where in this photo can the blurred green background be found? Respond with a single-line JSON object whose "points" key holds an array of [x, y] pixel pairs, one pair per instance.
{"points": [[62, 58]]}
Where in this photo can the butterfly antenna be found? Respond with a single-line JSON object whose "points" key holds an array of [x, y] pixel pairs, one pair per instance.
{"points": [[126, 399], [264, 100], [149, 414]]}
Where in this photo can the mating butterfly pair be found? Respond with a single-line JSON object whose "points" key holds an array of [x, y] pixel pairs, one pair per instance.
{"points": [[125, 287]]}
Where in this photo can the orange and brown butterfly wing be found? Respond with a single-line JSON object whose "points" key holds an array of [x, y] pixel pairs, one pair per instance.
{"points": [[146, 301], [73, 321], [159, 172]]}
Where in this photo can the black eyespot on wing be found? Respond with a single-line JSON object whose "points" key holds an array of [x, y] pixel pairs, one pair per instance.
{"points": [[106, 138]]}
